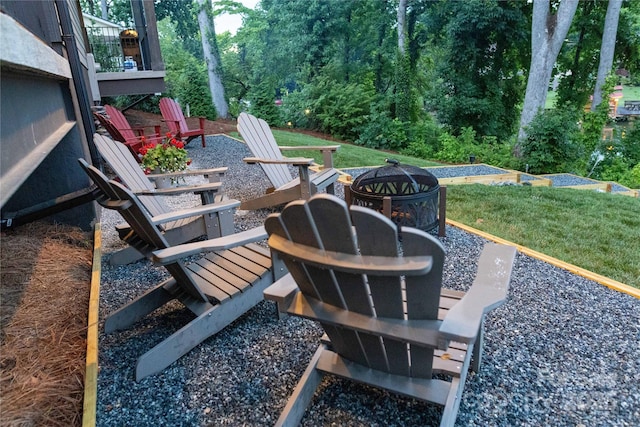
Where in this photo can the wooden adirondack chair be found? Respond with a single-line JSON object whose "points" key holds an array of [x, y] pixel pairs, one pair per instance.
{"points": [[202, 223], [218, 287], [389, 323], [120, 130], [177, 124], [259, 138]]}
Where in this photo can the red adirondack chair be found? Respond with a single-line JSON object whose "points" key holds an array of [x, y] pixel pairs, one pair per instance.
{"points": [[120, 130], [177, 124]]}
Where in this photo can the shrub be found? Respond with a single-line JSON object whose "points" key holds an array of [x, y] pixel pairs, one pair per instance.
{"points": [[192, 89], [263, 104], [550, 143], [618, 159], [382, 132], [457, 149], [339, 109], [423, 139]]}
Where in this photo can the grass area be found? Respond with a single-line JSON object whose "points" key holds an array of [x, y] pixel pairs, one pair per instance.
{"points": [[596, 231], [630, 93], [348, 156]]}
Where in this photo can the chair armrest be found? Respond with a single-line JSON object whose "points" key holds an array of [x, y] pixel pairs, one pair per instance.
{"points": [[489, 290], [195, 211], [210, 186], [326, 150], [364, 264], [141, 129], [214, 173], [282, 291], [331, 148], [169, 255], [296, 161]]}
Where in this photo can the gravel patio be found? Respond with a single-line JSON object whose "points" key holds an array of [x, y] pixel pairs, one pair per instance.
{"points": [[563, 350]]}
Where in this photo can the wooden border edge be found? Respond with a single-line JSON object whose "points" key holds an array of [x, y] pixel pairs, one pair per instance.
{"points": [[91, 372], [610, 283]]}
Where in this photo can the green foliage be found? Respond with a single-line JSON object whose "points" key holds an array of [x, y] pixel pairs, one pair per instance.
{"points": [[381, 131], [593, 122], [348, 156], [423, 139], [618, 159], [404, 94], [484, 48], [581, 54], [168, 156], [338, 109], [150, 104], [262, 98], [192, 88], [549, 146], [186, 75]]}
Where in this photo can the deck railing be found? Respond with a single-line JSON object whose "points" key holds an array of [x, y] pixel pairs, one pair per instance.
{"points": [[111, 47]]}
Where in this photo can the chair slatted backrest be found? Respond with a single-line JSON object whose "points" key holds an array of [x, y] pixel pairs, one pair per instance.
{"points": [[120, 122], [171, 112], [110, 127], [257, 134], [325, 222], [130, 172], [145, 235]]}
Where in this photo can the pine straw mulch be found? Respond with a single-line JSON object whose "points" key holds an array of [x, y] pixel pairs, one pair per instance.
{"points": [[45, 276]]}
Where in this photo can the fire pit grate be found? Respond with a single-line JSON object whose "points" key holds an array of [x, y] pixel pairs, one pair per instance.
{"points": [[410, 196]]}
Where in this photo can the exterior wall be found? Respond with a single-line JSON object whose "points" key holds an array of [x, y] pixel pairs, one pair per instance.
{"points": [[47, 85], [42, 131]]}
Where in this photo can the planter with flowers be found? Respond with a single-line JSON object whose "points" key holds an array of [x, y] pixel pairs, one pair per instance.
{"points": [[165, 158]]}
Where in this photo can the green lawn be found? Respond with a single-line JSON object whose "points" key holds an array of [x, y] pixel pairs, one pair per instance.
{"points": [[596, 231], [630, 93], [348, 156]]}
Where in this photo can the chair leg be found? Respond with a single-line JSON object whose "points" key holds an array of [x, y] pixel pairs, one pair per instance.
{"points": [[128, 314], [199, 329], [476, 360], [125, 256], [303, 393], [450, 412]]}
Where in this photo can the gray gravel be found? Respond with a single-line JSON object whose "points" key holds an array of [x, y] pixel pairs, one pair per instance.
{"points": [[563, 351]]}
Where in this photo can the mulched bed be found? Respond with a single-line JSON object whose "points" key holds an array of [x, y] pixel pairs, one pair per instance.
{"points": [[45, 276]]}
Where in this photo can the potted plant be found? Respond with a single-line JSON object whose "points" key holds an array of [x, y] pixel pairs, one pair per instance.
{"points": [[167, 157]]}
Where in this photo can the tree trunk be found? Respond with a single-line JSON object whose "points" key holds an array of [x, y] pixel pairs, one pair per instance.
{"points": [[402, 31], [548, 32], [212, 58], [607, 49]]}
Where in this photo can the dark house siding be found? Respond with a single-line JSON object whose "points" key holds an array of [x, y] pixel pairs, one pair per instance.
{"points": [[42, 131]]}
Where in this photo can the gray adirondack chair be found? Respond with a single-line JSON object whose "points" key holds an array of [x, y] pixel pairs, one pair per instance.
{"points": [[388, 322], [217, 287], [210, 224], [259, 138]]}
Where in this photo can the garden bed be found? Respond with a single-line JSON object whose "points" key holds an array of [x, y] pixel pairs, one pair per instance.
{"points": [[44, 297]]}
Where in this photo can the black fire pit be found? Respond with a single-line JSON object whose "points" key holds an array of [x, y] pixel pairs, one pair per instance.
{"points": [[410, 196]]}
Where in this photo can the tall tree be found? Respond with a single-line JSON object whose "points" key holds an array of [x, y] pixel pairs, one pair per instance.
{"points": [[212, 57], [607, 49], [548, 31], [403, 78], [483, 51]]}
